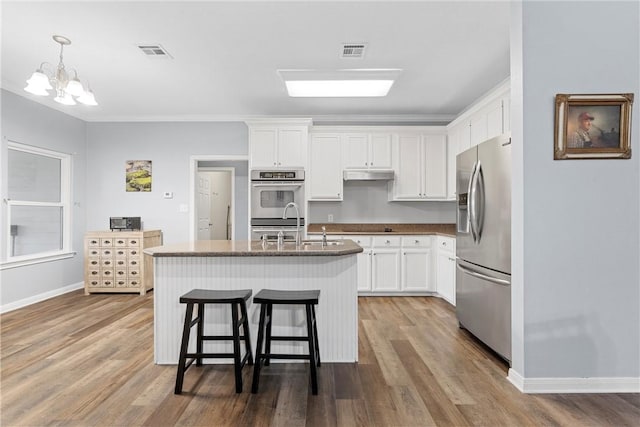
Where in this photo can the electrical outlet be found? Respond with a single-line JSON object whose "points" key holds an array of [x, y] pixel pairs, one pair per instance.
{"points": [[330, 218]]}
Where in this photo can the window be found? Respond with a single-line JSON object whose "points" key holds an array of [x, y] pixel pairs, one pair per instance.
{"points": [[38, 204]]}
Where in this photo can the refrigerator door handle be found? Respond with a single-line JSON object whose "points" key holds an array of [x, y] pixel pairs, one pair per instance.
{"points": [[482, 276], [472, 202], [480, 193]]}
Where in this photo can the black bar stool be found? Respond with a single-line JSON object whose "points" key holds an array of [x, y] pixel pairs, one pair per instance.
{"points": [[267, 298], [202, 297]]}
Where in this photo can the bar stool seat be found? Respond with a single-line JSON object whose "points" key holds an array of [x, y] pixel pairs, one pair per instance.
{"points": [[236, 299], [267, 298]]}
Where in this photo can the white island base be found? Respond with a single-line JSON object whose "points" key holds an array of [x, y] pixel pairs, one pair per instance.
{"points": [[337, 311]]}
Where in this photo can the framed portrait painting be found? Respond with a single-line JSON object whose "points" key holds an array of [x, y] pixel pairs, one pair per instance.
{"points": [[593, 126]]}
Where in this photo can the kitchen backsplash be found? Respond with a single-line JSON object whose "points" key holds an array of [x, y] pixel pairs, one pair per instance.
{"points": [[366, 201]]}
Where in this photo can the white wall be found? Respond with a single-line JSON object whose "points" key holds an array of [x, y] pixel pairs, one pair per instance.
{"points": [[578, 267], [169, 145], [31, 123], [367, 201]]}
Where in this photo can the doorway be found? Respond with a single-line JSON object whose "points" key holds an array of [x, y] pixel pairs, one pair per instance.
{"points": [[218, 197], [215, 201]]}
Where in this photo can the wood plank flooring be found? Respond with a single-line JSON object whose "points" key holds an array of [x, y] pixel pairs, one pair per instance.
{"points": [[78, 360]]}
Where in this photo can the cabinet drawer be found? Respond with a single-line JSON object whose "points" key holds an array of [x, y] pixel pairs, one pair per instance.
{"points": [[106, 262], [121, 273], [446, 243], [134, 262], [364, 241], [107, 283], [93, 243], [386, 241], [94, 282], [416, 241], [134, 272], [133, 242], [134, 252], [106, 272], [120, 242], [106, 253], [93, 272], [121, 262], [134, 283], [121, 253], [121, 283], [93, 252], [93, 262], [106, 242]]}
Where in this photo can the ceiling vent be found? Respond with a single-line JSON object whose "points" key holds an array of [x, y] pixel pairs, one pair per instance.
{"points": [[353, 50], [154, 50]]}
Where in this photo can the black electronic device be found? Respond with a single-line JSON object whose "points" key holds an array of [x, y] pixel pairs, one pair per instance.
{"points": [[124, 223]]}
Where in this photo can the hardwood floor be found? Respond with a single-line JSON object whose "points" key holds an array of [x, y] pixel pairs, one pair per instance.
{"points": [[79, 360]]}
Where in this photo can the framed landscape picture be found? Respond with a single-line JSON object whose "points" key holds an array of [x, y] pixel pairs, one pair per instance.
{"points": [[593, 126], [138, 175]]}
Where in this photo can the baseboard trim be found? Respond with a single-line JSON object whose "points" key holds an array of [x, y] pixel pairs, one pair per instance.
{"points": [[40, 297], [574, 385]]}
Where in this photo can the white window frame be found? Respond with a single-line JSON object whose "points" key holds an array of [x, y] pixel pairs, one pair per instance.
{"points": [[64, 203]]}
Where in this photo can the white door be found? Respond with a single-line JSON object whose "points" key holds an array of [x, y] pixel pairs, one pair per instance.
{"points": [[220, 205], [204, 207]]}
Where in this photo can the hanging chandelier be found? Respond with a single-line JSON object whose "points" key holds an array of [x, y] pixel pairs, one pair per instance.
{"points": [[68, 90]]}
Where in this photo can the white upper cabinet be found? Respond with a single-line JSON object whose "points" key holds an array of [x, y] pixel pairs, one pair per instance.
{"points": [[367, 151], [420, 163], [325, 168], [278, 145]]}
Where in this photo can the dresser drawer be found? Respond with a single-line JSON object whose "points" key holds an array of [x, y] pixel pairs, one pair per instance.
{"points": [[133, 242], [134, 252], [104, 242], [121, 253], [106, 272], [106, 253], [93, 262], [108, 283], [134, 283], [120, 242], [93, 243], [95, 282], [93, 272], [122, 283], [94, 252]]}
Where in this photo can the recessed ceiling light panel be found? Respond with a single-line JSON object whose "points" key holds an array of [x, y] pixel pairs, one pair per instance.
{"points": [[339, 83]]}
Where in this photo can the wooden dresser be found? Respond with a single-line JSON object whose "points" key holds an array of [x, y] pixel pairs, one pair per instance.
{"points": [[114, 261]]}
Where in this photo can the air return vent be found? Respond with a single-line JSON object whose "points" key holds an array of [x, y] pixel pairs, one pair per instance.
{"points": [[154, 50], [353, 50]]}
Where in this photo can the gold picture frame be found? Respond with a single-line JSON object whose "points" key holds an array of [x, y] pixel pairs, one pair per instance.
{"points": [[593, 126]]}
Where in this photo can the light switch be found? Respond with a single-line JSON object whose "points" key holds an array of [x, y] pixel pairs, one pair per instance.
{"points": [[168, 194]]}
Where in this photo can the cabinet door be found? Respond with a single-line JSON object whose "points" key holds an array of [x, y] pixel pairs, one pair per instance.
{"points": [[364, 270], [291, 147], [380, 151], [435, 166], [356, 147], [263, 147], [452, 151], [478, 129], [416, 270], [325, 178], [408, 166], [446, 276], [385, 270], [494, 119]]}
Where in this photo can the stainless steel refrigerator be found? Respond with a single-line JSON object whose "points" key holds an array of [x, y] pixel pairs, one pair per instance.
{"points": [[483, 243]]}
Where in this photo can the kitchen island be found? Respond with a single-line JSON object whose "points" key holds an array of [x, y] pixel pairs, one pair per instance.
{"points": [[228, 265]]}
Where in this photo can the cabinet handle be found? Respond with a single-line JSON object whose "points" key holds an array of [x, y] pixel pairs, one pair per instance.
{"points": [[366, 163], [451, 259], [279, 163], [338, 194], [417, 241], [387, 242]]}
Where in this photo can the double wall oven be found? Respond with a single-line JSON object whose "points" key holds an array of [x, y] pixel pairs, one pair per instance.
{"points": [[271, 191]]}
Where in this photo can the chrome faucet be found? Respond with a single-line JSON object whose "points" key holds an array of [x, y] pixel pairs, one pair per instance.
{"points": [[324, 236], [284, 216]]}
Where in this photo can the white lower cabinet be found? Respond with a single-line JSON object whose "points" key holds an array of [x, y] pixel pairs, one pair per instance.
{"points": [[446, 268], [385, 264], [411, 264], [417, 261], [364, 263]]}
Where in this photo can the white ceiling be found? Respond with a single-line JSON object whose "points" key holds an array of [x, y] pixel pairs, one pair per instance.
{"points": [[226, 55]]}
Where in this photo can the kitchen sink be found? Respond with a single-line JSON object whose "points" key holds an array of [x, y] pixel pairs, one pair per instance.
{"points": [[318, 243]]}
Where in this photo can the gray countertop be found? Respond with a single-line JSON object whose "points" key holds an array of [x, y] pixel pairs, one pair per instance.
{"points": [[244, 248]]}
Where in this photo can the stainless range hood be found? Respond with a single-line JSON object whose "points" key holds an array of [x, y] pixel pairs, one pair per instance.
{"points": [[368, 175]]}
